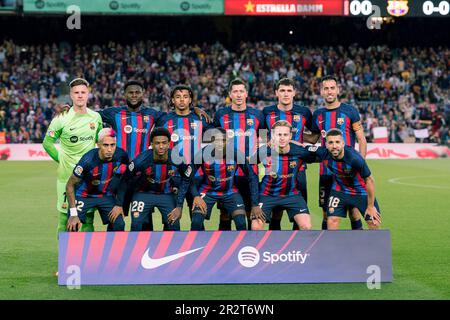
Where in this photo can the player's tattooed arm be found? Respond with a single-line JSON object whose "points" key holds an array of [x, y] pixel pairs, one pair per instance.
{"points": [[371, 210], [74, 222], [202, 114]]}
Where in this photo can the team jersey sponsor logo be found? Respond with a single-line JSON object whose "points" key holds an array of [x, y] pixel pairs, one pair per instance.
{"points": [[131, 166], [79, 170], [340, 121], [296, 118], [128, 128], [323, 133], [73, 139], [230, 134], [92, 126], [312, 148]]}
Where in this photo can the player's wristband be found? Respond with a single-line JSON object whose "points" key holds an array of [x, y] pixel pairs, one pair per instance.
{"points": [[73, 212]]}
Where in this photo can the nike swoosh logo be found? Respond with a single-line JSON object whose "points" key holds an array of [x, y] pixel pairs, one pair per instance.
{"points": [[149, 263], [170, 127], [321, 121], [240, 205], [72, 129], [302, 210], [227, 121]]}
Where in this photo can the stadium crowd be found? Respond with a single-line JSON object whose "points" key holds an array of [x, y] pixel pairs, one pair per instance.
{"points": [[402, 89]]}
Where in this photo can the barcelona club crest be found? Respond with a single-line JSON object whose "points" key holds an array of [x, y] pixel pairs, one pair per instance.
{"points": [[340, 121], [250, 122], [398, 8], [194, 125], [171, 172], [296, 118], [292, 164], [92, 126], [146, 119], [230, 168]]}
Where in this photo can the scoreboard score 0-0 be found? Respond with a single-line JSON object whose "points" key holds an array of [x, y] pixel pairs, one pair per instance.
{"points": [[399, 8]]}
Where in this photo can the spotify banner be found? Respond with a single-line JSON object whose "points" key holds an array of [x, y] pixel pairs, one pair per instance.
{"points": [[102, 258]]}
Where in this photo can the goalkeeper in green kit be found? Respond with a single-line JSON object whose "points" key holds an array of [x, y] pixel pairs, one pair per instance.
{"points": [[77, 130]]}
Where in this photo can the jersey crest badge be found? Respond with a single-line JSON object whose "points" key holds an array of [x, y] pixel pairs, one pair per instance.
{"points": [[340, 121]]}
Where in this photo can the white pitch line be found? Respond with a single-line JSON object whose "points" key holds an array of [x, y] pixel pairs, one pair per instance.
{"points": [[396, 181]]}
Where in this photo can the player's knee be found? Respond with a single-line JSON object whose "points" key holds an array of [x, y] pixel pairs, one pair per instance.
{"points": [[224, 215], [355, 215], [333, 223], [373, 226], [305, 225], [197, 221], [257, 225]]}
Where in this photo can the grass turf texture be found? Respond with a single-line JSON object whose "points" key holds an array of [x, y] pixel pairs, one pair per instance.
{"points": [[415, 207]]}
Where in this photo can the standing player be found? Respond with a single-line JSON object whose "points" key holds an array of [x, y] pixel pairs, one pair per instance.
{"points": [[279, 186], [300, 118], [353, 185], [152, 174], [96, 183], [218, 183], [77, 130], [133, 124], [346, 118], [186, 130], [242, 123]]}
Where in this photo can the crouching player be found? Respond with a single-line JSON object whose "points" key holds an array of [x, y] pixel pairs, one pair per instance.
{"points": [[218, 182], [283, 162], [353, 185], [152, 176], [95, 184]]}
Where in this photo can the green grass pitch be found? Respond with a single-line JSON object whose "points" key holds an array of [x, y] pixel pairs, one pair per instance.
{"points": [[414, 197]]}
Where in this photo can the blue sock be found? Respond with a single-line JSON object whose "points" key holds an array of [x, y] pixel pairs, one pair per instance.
{"points": [[324, 225], [357, 225], [240, 222], [197, 221]]}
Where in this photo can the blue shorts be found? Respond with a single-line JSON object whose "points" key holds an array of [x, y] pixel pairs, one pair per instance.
{"points": [[294, 205], [142, 206], [243, 185], [325, 183], [104, 206], [230, 203], [340, 202], [302, 186]]}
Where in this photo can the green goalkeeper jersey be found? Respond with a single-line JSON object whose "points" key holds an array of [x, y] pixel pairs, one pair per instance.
{"points": [[77, 133]]}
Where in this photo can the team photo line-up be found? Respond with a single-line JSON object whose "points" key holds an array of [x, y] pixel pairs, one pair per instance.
{"points": [[249, 162]]}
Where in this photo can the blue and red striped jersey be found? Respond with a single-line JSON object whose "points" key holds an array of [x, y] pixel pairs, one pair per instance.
{"points": [[186, 134], [349, 173], [132, 128], [299, 117], [281, 170], [243, 127], [97, 175], [345, 117], [218, 175], [148, 175]]}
